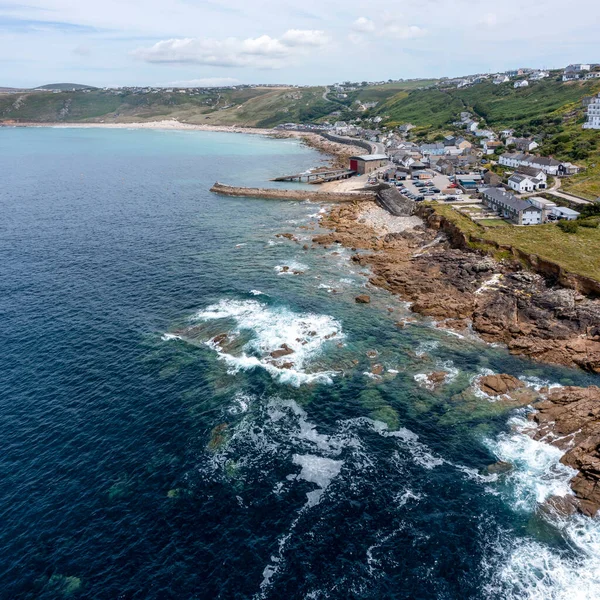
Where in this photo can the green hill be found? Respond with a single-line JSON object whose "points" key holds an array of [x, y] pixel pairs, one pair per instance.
{"points": [[66, 87], [498, 105]]}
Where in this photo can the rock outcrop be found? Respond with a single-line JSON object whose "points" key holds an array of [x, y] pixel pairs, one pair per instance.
{"points": [[570, 419], [503, 302]]}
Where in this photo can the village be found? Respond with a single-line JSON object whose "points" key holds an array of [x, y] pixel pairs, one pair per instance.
{"points": [[492, 176]]}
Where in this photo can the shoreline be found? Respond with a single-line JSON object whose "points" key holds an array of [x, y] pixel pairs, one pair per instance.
{"points": [[501, 303], [338, 153]]}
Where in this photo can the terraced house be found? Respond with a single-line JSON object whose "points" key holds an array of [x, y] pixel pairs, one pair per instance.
{"points": [[507, 205]]}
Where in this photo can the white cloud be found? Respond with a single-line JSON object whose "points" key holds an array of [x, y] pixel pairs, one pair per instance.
{"points": [[305, 38], [205, 82], [389, 27], [363, 25], [489, 20], [402, 32], [261, 52]]}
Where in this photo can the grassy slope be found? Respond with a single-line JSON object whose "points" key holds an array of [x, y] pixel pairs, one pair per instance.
{"points": [[499, 105], [125, 107], [576, 252], [430, 107]]}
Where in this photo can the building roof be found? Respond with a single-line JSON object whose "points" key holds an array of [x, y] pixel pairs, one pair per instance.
{"points": [[543, 160], [518, 177], [567, 211], [370, 157], [515, 156], [509, 199], [531, 171]]}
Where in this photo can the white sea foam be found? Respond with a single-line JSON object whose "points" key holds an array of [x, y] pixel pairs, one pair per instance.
{"points": [[241, 403], [169, 337], [420, 453], [538, 472], [527, 569], [257, 293], [318, 470], [272, 328], [292, 267]]}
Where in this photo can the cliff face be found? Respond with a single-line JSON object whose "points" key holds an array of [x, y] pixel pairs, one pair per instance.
{"points": [[546, 268]]}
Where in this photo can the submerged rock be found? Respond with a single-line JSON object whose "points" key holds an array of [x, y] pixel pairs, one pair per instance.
{"points": [[500, 468], [498, 385]]}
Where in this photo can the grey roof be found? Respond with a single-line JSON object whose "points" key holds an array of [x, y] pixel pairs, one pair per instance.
{"points": [[518, 177], [566, 211], [531, 171], [508, 199], [543, 160], [370, 157], [515, 156]]}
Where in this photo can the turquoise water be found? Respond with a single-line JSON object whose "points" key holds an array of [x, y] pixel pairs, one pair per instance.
{"points": [[140, 459]]}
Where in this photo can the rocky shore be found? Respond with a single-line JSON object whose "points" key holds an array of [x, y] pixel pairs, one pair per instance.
{"points": [[501, 302]]}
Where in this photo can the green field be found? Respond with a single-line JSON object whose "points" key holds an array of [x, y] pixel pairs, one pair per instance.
{"points": [[577, 253]]}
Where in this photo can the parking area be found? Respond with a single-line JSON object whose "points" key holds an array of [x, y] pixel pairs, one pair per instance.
{"points": [[427, 189]]}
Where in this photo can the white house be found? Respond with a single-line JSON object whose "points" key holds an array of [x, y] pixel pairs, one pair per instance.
{"points": [[593, 114], [550, 166], [534, 173], [512, 159], [522, 83], [538, 75], [499, 79], [573, 72], [522, 183], [544, 205]]}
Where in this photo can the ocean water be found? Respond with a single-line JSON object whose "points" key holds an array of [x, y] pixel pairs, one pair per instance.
{"points": [[140, 458]]}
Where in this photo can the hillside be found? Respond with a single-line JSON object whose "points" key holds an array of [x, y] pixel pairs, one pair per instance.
{"points": [[498, 105], [66, 87]]}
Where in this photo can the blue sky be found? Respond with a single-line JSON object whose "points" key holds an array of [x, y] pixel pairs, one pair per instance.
{"points": [[195, 42]]}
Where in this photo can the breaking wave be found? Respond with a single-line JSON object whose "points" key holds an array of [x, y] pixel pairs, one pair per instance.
{"points": [[283, 342]]}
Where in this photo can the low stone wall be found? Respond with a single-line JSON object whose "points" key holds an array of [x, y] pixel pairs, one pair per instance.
{"points": [[283, 194], [348, 141]]}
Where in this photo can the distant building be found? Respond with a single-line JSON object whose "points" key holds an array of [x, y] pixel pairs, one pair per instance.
{"points": [[522, 183], [368, 163], [534, 173], [492, 179], [593, 114], [544, 205], [565, 214], [522, 83], [434, 149], [520, 212], [500, 79], [574, 72], [490, 146], [524, 144]]}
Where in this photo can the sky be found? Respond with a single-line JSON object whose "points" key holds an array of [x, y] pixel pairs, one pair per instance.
{"points": [[226, 42]]}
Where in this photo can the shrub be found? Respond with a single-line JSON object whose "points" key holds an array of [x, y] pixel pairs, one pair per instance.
{"points": [[568, 226], [592, 222]]}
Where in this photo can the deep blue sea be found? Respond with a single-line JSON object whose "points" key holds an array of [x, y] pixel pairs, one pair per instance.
{"points": [[140, 459]]}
